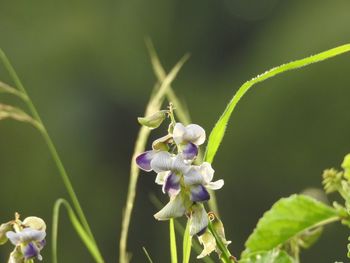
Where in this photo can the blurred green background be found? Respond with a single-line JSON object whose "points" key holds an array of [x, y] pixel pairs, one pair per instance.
{"points": [[86, 68]]}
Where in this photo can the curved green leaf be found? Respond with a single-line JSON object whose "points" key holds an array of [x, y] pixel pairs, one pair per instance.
{"points": [[273, 256], [218, 131], [288, 217]]}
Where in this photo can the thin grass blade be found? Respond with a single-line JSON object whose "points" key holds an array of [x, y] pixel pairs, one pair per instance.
{"points": [[187, 244], [173, 248]]}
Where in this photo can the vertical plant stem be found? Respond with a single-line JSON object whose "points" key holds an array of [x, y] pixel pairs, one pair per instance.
{"points": [[173, 247], [140, 145], [51, 146], [225, 253]]}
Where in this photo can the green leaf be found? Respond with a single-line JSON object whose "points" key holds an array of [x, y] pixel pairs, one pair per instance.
{"points": [[273, 256], [218, 131], [173, 249], [288, 217], [187, 244]]}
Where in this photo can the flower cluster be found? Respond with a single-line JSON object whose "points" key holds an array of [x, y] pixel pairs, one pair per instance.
{"points": [[173, 159], [28, 237]]}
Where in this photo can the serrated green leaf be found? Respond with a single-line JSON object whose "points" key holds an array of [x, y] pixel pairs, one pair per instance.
{"points": [[288, 217], [218, 131], [273, 256]]}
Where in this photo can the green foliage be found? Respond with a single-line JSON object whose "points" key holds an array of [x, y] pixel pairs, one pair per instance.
{"points": [[187, 244], [218, 132], [273, 256], [287, 218]]}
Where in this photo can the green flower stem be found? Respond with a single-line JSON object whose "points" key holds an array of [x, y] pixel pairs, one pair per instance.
{"points": [[225, 253], [181, 230], [140, 145], [85, 237], [181, 111], [50, 145]]}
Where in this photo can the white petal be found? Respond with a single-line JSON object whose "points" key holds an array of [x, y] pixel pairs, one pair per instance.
{"points": [[193, 176], [160, 179], [179, 164], [175, 208], [14, 237], [34, 223], [215, 185], [178, 133], [29, 234], [207, 172], [209, 244], [195, 134], [198, 220], [162, 162]]}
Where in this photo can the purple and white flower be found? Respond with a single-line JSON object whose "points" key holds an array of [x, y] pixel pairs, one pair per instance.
{"points": [[200, 179], [188, 138], [187, 185], [31, 242]]}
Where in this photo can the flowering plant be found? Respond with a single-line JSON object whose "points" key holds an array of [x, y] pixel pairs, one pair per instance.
{"points": [[186, 176]]}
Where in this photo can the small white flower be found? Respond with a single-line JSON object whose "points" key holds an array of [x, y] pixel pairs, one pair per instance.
{"points": [[188, 139], [191, 133], [31, 242]]}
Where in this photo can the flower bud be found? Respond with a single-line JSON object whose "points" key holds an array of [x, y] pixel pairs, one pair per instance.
{"points": [[3, 229], [162, 143], [153, 121]]}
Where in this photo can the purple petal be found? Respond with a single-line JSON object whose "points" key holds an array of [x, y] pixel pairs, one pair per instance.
{"points": [[199, 193], [190, 151], [30, 251], [144, 160], [172, 184]]}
